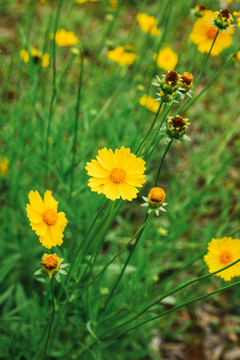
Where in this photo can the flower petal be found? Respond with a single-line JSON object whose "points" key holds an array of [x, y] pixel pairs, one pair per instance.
{"points": [[36, 201], [33, 215]]}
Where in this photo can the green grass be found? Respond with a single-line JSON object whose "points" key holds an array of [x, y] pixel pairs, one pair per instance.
{"points": [[200, 179]]}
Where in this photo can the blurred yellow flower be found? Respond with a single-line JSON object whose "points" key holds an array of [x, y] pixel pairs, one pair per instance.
{"points": [[237, 56], [148, 24], [223, 252], [116, 174], [4, 166], [121, 56], [36, 56], [203, 34], [166, 59], [113, 4], [149, 103], [24, 54], [65, 38], [44, 219], [51, 264], [84, 1], [237, 13]]}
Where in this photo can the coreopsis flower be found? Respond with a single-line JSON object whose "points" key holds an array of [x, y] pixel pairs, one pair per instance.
{"points": [[199, 10], [4, 166], [237, 13], [236, 57], [170, 82], [24, 54], [113, 4], [124, 56], [148, 24], [36, 57], [155, 200], [223, 19], [65, 38], [166, 59], [149, 103], [51, 264], [177, 126], [203, 34], [186, 80], [223, 252], [116, 174], [45, 220]]}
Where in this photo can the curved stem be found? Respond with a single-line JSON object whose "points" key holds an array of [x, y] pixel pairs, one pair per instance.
{"points": [[161, 163], [125, 265], [178, 307], [112, 260], [51, 321], [173, 292]]}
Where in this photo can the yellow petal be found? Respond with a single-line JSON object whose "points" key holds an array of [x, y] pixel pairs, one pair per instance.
{"points": [[49, 201], [47, 240], [57, 235], [36, 201], [33, 215], [40, 229], [61, 221], [127, 192]]}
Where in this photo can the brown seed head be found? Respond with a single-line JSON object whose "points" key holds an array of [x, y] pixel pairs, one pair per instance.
{"points": [[172, 77], [225, 13], [178, 122]]}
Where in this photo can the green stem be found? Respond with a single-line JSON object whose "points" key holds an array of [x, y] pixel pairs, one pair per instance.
{"points": [[74, 146], [173, 292], [51, 321], [84, 240], [118, 253], [188, 103], [161, 163], [201, 72], [125, 265], [151, 127], [53, 92], [178, 307]]}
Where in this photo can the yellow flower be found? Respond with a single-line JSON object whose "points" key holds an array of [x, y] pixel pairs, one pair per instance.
{"points": [[65, 38], [223, 252], [84, 1], [116, 174], [113, 4], [237, 56], [4, 166], [166, 59], [203, 34], [121, 56], [148, 24], [47, 223], [45, 60], [237, 13], [51, 264], [149, 103], [156, 196], [24, 54]]}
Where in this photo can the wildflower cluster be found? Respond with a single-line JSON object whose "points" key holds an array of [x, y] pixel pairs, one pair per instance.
{"points": [[172, 85], [36, 56]]}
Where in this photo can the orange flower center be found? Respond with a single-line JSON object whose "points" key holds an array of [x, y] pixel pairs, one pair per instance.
{"points": [[157, 194], [211, 33], [49, 217], [118, 176], [50, 262], [226, 257]]}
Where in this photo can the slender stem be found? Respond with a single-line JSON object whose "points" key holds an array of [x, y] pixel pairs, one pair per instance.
{"points": [[161, 163], [151, 127], [51, 321], [186, 105], [173, 292], [53, 92], [112, 260], [201, 72], [74, 146], [125, 265], [178, 307], [84, 240]]}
